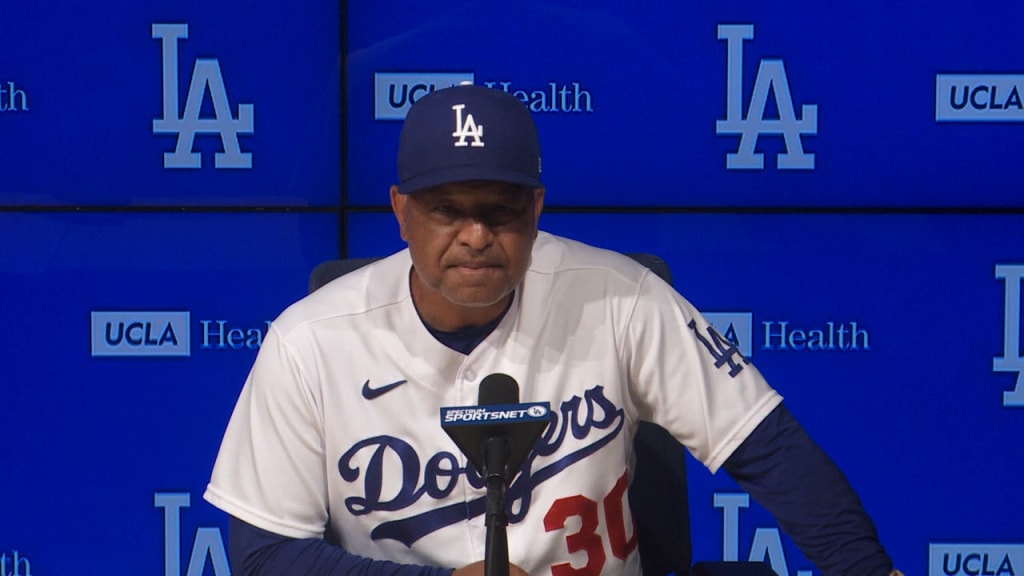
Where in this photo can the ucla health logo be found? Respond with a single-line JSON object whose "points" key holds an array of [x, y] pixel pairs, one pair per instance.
{"points": [[206, 77], [975, 559], [165, 333], [787, 335], [736, 327], [979, 98], [554, 97], [12, 99], [1012, 359], [395, 92], [771, 78], [140, 333], [14, 564]]}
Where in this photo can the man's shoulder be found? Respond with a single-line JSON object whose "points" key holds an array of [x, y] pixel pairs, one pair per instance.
{"points": [[350, 296], [564, 258]]}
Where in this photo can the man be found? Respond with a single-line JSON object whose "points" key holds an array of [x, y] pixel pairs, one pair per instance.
{"points": [[334, 461]]}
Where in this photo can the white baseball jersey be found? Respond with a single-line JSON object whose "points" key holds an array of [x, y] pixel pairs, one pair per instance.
{"points": [[337, 429]]}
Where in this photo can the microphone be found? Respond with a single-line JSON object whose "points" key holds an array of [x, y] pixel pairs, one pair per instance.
{"points": [[498, 434]]}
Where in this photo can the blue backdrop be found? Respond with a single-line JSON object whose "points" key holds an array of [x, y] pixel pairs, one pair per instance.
{"points": [[838, 187], [633, 103]]}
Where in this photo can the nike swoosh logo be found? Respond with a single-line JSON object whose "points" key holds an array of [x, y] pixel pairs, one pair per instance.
{"points": [[371, 393]]}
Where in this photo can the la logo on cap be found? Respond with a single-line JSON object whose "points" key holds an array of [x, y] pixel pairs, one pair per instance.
{"points": [[467, 129]]}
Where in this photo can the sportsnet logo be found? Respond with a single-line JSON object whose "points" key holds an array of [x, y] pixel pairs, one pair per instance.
{"points": [[497, 413], [396, 92], [140, 333]]}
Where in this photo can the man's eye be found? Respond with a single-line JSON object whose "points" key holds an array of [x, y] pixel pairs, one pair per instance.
{"points": [[505, 214], [444, 209]]}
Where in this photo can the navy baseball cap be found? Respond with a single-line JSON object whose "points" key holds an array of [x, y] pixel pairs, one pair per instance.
{"points": [[467, 132]]}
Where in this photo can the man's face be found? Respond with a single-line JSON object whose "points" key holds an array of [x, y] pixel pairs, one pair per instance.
{"points": [[470, 244]]}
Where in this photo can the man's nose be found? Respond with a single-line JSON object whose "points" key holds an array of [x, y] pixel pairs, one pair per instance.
{"points": [[476, 234]]}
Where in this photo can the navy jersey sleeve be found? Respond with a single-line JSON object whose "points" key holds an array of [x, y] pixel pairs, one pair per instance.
{"points": [[257, 552], [792, 477]]}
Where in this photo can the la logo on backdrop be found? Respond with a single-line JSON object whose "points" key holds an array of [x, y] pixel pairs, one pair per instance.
{"points": [[771, 78], [207, 545], [1012, 360], [206, 77]]}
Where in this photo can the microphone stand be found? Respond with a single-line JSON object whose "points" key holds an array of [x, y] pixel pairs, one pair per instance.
{"points": [[496, 452]]}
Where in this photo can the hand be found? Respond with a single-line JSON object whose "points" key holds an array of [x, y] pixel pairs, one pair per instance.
{"points": [[477, 569]]}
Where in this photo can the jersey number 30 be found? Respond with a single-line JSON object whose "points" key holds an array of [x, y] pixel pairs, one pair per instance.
{"points": [[587, 538]]}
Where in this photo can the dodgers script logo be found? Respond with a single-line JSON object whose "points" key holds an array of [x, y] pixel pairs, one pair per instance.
{"points": [[771, 75], [206, 76], [593, 417], [1011, 360], [467, 129]]}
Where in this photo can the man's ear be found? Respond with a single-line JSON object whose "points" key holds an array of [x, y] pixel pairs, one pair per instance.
{"points": [[538, 207], [398, 201]]}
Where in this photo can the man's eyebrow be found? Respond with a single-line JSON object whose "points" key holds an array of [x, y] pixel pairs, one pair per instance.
{"points": [[513, 191], [435, 194], [508, 192]]}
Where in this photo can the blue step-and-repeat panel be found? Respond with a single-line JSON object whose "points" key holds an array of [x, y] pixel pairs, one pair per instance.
{"points": [[838, 187]]}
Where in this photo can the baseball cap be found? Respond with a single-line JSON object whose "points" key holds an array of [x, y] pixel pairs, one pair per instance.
{"points": [[467, 132]]}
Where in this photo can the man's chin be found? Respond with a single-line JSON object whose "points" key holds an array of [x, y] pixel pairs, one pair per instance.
{"points": [[476, 298]]}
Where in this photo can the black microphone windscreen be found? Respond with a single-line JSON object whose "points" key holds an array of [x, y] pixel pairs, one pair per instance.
{"points": [[498, 388]]}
